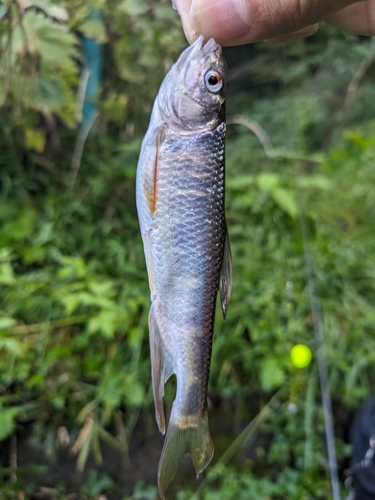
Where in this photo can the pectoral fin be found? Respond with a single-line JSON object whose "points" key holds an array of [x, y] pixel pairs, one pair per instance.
{"points": [[161, 366], [149, 260], [150, 179], [225, 283]]}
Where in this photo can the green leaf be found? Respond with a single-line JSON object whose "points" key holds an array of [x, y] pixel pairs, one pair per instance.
{"points": [[18, 228], [54, 43], [52, 10], [6, 274], [315, 181], [268, 182], [286, 200], [72, 267], [6, 323], [8, 421], [271, 373], [241, 181], [94, 29], [134, 7], [35, 139], [101, 288], [104, 323], [134, 394], [12, 346], [71, 302]]}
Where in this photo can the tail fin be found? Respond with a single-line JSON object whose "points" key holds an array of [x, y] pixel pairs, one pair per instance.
{"points": [[192, 438]]}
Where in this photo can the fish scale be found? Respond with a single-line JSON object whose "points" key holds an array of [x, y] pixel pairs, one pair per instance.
{"points": [[180, 202]]}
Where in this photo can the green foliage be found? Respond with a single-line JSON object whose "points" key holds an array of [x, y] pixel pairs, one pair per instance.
{"points": [[97, 484], [74, 296], [37, 67], [7, 421], [226, 483]]}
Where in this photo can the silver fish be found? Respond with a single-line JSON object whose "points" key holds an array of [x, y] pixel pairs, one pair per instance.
{"points": [[180, 202]]}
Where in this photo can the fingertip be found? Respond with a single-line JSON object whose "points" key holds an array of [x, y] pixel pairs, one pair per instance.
{"points": [[183, 8], [236, 22], [223, 20], [190, 30], [358, 18]]}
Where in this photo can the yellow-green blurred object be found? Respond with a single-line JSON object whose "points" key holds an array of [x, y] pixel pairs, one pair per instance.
{"points": [[300, 355]]}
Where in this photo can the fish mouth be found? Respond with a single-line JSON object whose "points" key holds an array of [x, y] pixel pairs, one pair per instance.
{"points": [[201, 45], [207, 46]]}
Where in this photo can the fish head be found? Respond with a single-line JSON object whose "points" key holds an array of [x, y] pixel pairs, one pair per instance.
{"points": [[193, 93]]}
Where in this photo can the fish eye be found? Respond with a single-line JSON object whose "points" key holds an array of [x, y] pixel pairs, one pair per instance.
{"points": [[213, 81]]}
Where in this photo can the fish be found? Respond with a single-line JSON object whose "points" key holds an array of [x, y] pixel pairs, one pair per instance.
{"points": [[180, 202]]}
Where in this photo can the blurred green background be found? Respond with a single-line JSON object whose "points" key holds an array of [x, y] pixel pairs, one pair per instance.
{"points": [[76, 408]]}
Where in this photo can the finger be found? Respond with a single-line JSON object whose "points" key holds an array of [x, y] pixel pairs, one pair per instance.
{"points": [[234, 22], [358, 18], [303, 33], [183, 8]]}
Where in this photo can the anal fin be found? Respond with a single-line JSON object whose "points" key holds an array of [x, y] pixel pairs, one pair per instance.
{"points": [[225, 282], [161, 367]]}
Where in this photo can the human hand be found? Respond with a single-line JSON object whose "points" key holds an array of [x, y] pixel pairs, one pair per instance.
{"points": [[236, 22]]}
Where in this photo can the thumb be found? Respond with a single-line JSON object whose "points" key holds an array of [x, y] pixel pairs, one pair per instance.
{"points": [[235, 22]]}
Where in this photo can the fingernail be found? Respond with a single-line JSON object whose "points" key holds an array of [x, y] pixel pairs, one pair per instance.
{"points": [[223, 20]]}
